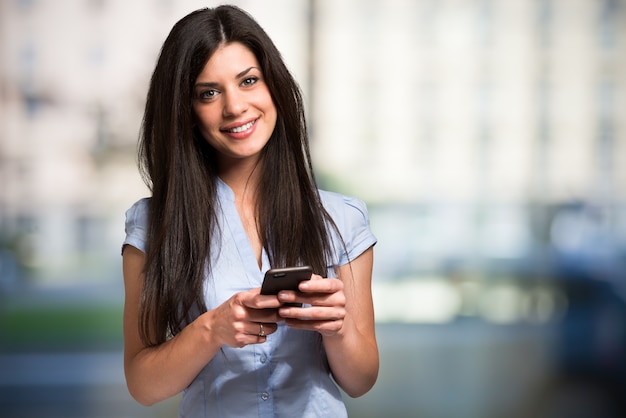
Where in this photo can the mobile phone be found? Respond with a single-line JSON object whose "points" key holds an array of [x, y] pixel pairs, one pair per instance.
{"points": [[284, 279]]}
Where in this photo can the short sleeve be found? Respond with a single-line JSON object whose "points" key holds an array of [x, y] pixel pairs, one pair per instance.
{"points": [[352, 220], [137, 225]]}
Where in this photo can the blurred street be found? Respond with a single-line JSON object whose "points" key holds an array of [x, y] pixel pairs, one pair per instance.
{"points": [[467, 368], [420, 367]]}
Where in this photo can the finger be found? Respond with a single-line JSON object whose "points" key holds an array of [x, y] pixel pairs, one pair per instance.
{"points": [[263, 315], [264, 302], [323, 327], [252, 333], [337, 299], [248, 337], [253, 299], [262, 328], [313, 313], [321, 286]]}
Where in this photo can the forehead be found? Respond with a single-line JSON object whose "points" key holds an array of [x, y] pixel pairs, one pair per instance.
{"points": [[227, 61]]}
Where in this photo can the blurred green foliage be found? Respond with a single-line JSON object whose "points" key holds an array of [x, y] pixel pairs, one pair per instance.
{"points": [[58, 326]]}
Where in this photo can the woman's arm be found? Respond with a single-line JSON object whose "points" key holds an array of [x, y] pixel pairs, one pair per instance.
{"points": [[156, 373], [342, 311], [353, 351]]}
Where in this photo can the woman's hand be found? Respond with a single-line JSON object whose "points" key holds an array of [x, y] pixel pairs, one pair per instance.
{"points": [[342, 311], [246, 318], [328, 306]]}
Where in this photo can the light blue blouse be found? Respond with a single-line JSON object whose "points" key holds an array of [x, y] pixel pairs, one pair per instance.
{"points": [[288, 375]]}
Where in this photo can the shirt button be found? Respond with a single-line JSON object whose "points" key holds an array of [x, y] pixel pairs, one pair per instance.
{"points": [[263, 359], [265, 396]]}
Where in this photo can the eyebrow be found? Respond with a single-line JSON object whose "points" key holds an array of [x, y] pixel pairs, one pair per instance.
{"points": [[213, 84], [244, 72]]}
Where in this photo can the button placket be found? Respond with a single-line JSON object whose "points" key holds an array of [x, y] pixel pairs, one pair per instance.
{"points": [[265, 397]]}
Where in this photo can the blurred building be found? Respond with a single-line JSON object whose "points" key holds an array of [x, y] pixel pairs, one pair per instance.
{"points": [[501, 101], [493, 130], [478, 132], [73, 80], [491, 107]]}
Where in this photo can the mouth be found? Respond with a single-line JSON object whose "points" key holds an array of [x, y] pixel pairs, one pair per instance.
{"points": [[241, 128]]}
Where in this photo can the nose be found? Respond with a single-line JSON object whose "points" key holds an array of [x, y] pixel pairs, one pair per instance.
{"points": [[234, 103]]}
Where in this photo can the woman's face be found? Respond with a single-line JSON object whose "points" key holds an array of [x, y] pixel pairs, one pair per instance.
{"points": [[233, 106]]}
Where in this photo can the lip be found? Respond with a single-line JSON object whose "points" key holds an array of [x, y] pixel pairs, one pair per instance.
{"points": [[226, 129]]}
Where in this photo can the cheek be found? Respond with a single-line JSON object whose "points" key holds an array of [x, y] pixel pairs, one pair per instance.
{"points": [[265, 101], [271, 111], [205, 121]]}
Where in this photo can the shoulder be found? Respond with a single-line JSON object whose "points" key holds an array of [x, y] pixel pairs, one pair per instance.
{"points": [[138, 213], [139, 206], [352, 221], [343, 208], [136, 226]]}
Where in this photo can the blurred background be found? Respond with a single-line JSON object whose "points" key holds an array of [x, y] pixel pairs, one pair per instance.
{"points": [[488, 138]]}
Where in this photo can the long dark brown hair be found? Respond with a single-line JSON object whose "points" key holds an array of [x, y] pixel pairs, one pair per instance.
{"points": [[179, 166]]}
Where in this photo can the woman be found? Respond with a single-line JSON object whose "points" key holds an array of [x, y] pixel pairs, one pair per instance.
{"points": [[224, 151]]}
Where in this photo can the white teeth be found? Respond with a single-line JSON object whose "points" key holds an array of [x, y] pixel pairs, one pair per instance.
{"points": [[242, 128]]}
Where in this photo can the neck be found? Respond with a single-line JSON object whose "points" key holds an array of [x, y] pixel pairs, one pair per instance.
{"points": [[241, 177]]}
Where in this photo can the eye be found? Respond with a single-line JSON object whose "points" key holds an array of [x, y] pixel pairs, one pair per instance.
{"points": [[249, 81], [207, 94]]}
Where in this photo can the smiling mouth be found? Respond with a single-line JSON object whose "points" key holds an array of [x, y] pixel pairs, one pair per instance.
{"points": [[242, 128]]}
